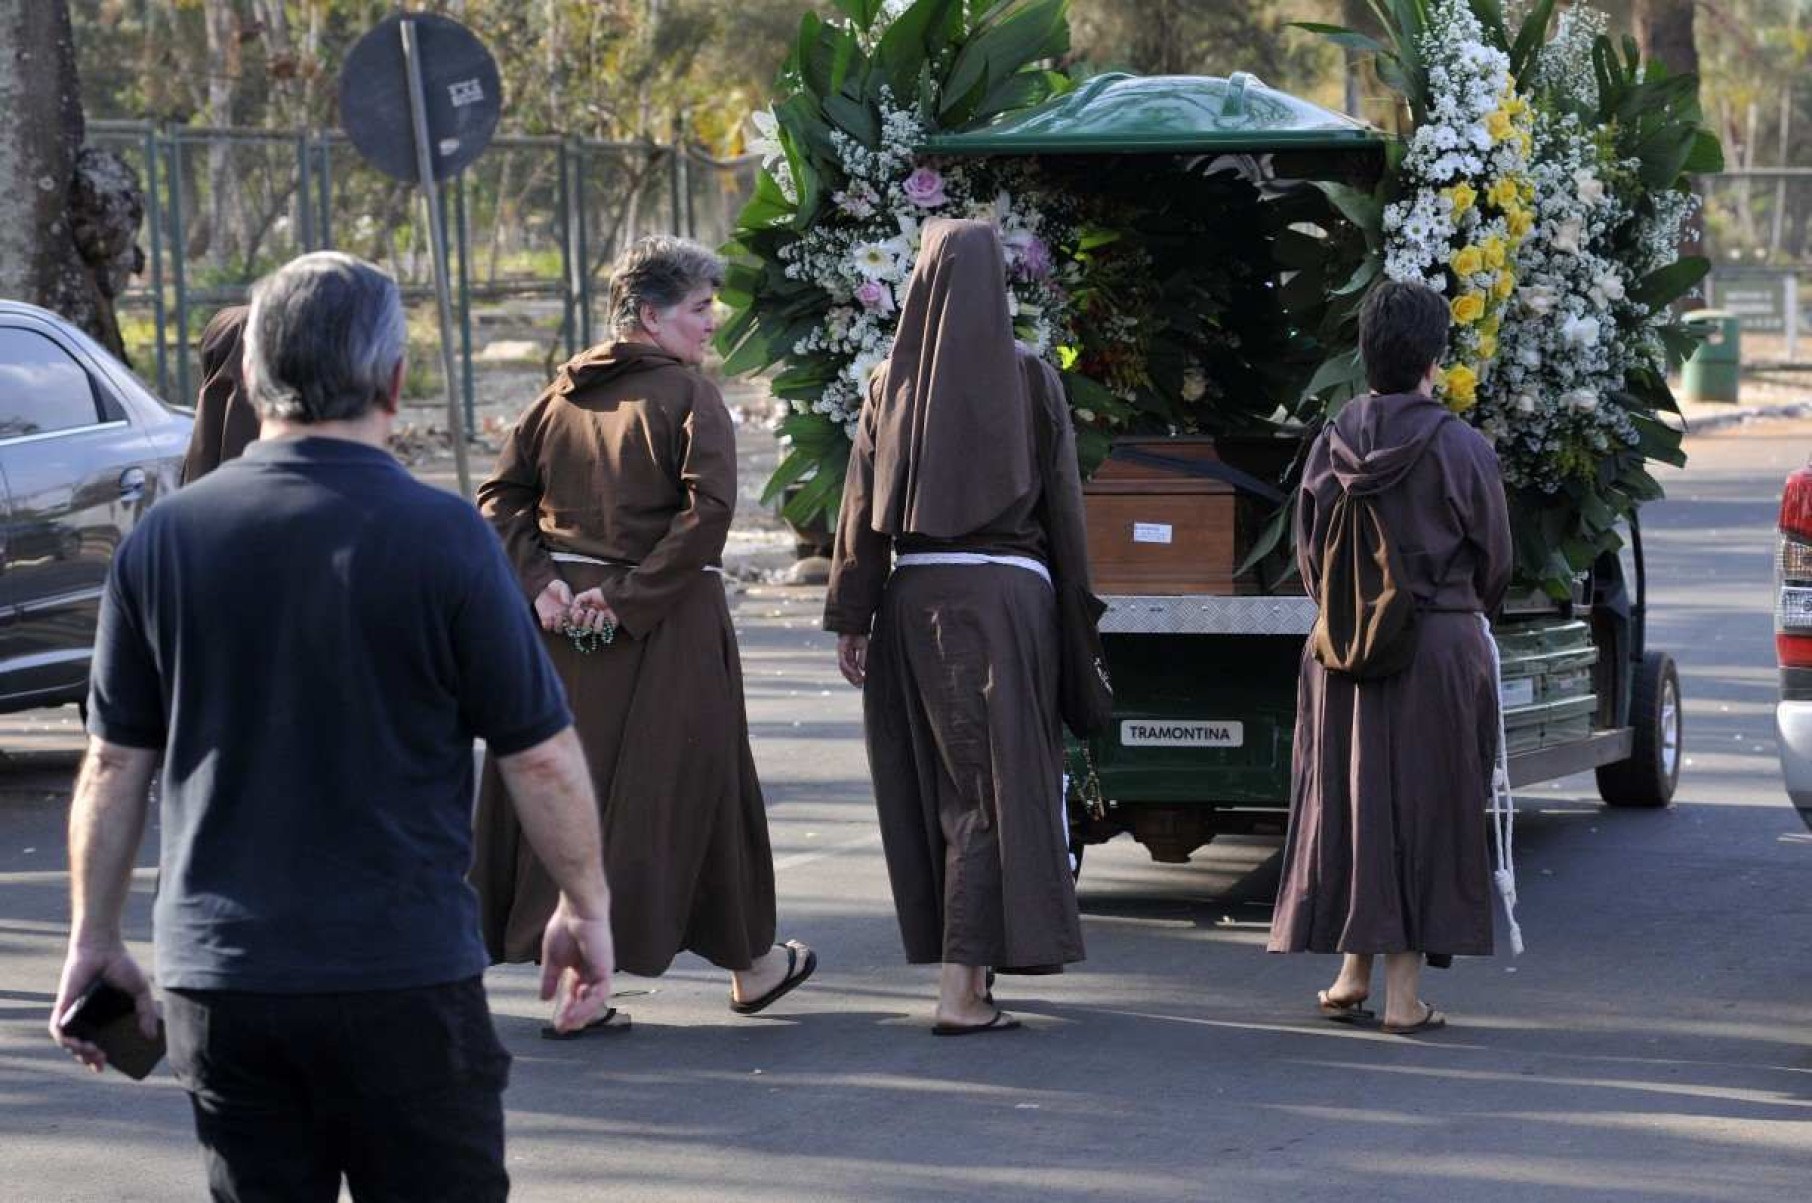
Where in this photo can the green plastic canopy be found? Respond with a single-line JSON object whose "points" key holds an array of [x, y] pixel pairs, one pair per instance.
{"points": [[1130, 114]]}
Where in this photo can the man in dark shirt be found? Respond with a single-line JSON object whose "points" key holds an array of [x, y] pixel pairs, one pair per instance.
{"points": [[311, 641]]}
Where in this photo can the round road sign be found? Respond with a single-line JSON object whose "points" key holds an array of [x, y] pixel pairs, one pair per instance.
{"points": [[460, 84]]}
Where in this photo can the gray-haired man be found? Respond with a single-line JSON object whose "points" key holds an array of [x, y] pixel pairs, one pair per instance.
{"points": [[311, 640]]}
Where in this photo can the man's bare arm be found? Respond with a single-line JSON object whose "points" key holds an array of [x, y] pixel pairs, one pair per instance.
{"points": [[551, 787], [106, 822]]}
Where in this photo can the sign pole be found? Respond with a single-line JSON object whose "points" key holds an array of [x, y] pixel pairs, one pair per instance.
{"points": [[1790, 287], [424, 163]]}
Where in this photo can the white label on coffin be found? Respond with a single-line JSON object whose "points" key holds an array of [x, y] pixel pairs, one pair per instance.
{"points": [[1151, 532], [1517, 693], [1169, 733]]}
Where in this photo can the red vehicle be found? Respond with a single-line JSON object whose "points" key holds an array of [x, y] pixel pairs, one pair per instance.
{"points": [[1793, 639]]}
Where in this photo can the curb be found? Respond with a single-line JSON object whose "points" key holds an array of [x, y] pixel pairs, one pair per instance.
{"points": [[1738, 415]]}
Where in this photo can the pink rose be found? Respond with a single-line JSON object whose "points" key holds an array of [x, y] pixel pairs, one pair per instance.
{"points": [[875, 296], [925, 188], [1035, 258]]}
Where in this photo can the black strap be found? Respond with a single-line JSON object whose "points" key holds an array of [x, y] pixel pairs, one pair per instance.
{"points": [[1206, 469]]}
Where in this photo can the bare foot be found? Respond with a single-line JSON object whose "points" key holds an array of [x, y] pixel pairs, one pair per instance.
{"points": [[1418, 1016], [963, 998], [768, 971], [1334, 996]]}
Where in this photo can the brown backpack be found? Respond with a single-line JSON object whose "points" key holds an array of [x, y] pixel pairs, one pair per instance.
{"points": [[1366, 627]]}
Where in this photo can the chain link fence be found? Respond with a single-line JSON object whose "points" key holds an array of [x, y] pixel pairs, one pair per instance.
{"points": [[532, 226], [1758, 235]]}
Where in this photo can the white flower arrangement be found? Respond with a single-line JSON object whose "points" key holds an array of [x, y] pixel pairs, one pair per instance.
{"points": [[1465, 186], [864, 252], [1573, 333]]}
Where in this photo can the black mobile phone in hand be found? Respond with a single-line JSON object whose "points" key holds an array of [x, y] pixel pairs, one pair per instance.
{"points": [[104, 1016]]}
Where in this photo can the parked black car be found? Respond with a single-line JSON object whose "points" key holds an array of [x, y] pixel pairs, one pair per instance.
{"points": [[85, 448]]}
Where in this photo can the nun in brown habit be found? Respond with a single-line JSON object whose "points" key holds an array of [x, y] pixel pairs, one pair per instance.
{"points": [[225, 420], [613, 496], [962, 497], [1388, 850]]}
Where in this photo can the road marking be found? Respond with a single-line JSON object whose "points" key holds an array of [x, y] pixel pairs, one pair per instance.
{"points": [[806, 858], [41, 877]]}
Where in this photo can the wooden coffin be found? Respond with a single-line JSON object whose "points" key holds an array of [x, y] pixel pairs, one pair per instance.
{"points": [[1157, 529]]}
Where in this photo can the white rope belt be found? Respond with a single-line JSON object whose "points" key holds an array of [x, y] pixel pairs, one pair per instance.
{"points": [[573, 557], [1503, 805], [972, 558]]}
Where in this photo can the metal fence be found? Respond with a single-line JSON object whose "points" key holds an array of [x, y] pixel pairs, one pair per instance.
{"points": [[535, 223], [1758, 235], [533, 226]]}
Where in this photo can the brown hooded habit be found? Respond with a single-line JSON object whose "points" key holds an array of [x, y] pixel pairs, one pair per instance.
{"points": [[629, 457], [1387, 848], [964, 448], [226, 422]]}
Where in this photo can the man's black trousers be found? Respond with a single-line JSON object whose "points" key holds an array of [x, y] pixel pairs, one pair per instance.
{"points": [[399, 1091]]}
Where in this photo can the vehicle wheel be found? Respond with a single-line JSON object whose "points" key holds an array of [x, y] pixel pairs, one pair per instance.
{"points": [[1649, 776]]}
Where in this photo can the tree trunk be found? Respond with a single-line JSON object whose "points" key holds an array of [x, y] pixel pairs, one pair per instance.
{"points": [[1664, 28], [1355, 14], [1664, 31], [40, 138], [224, 62]]}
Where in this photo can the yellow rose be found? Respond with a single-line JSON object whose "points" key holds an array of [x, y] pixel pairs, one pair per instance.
{"points": [[1503, 193], [1462, 387], [1521, 221], [1498, 125], [1504, 285], [1487, 346], [1468, 308], [1463, 195], [1469, 262], [1494, 251]]}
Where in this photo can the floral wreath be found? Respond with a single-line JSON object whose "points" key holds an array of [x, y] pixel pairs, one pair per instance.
{"points": [[1543, 191]]}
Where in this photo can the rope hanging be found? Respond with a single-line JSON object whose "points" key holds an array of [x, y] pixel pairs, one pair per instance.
{"points": [[1503, 806]]}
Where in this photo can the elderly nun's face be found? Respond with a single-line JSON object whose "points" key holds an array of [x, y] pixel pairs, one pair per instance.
{"points": [[684, 330]]}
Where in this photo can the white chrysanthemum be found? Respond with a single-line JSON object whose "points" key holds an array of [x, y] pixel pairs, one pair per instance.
{"points": [[875, 261]]}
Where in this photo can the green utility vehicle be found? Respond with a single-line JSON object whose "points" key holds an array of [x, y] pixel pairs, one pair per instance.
{"points": [[1205, 683]]}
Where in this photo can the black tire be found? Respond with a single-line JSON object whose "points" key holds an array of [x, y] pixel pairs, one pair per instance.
{"points": [[1648, 777]]}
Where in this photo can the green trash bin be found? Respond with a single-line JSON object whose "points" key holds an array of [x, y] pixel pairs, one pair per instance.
{"points": [[1712, 374]]}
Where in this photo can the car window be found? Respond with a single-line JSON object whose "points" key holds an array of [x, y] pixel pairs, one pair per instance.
{"points": [[42, 389]]}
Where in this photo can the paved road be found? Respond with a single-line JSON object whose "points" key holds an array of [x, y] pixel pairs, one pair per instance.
{"points": [[1652, 1044]]}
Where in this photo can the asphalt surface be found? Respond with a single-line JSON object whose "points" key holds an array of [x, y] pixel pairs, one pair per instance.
{"points": [[1654, 1042]]}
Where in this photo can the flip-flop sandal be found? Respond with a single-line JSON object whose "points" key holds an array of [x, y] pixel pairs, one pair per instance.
{"points": [[1344, 1012], [610, 1023], [787, 984], [1002, 1022], [1432, 1020]]}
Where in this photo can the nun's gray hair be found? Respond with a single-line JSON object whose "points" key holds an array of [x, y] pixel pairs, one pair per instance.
{"points": [[659, 271]]}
